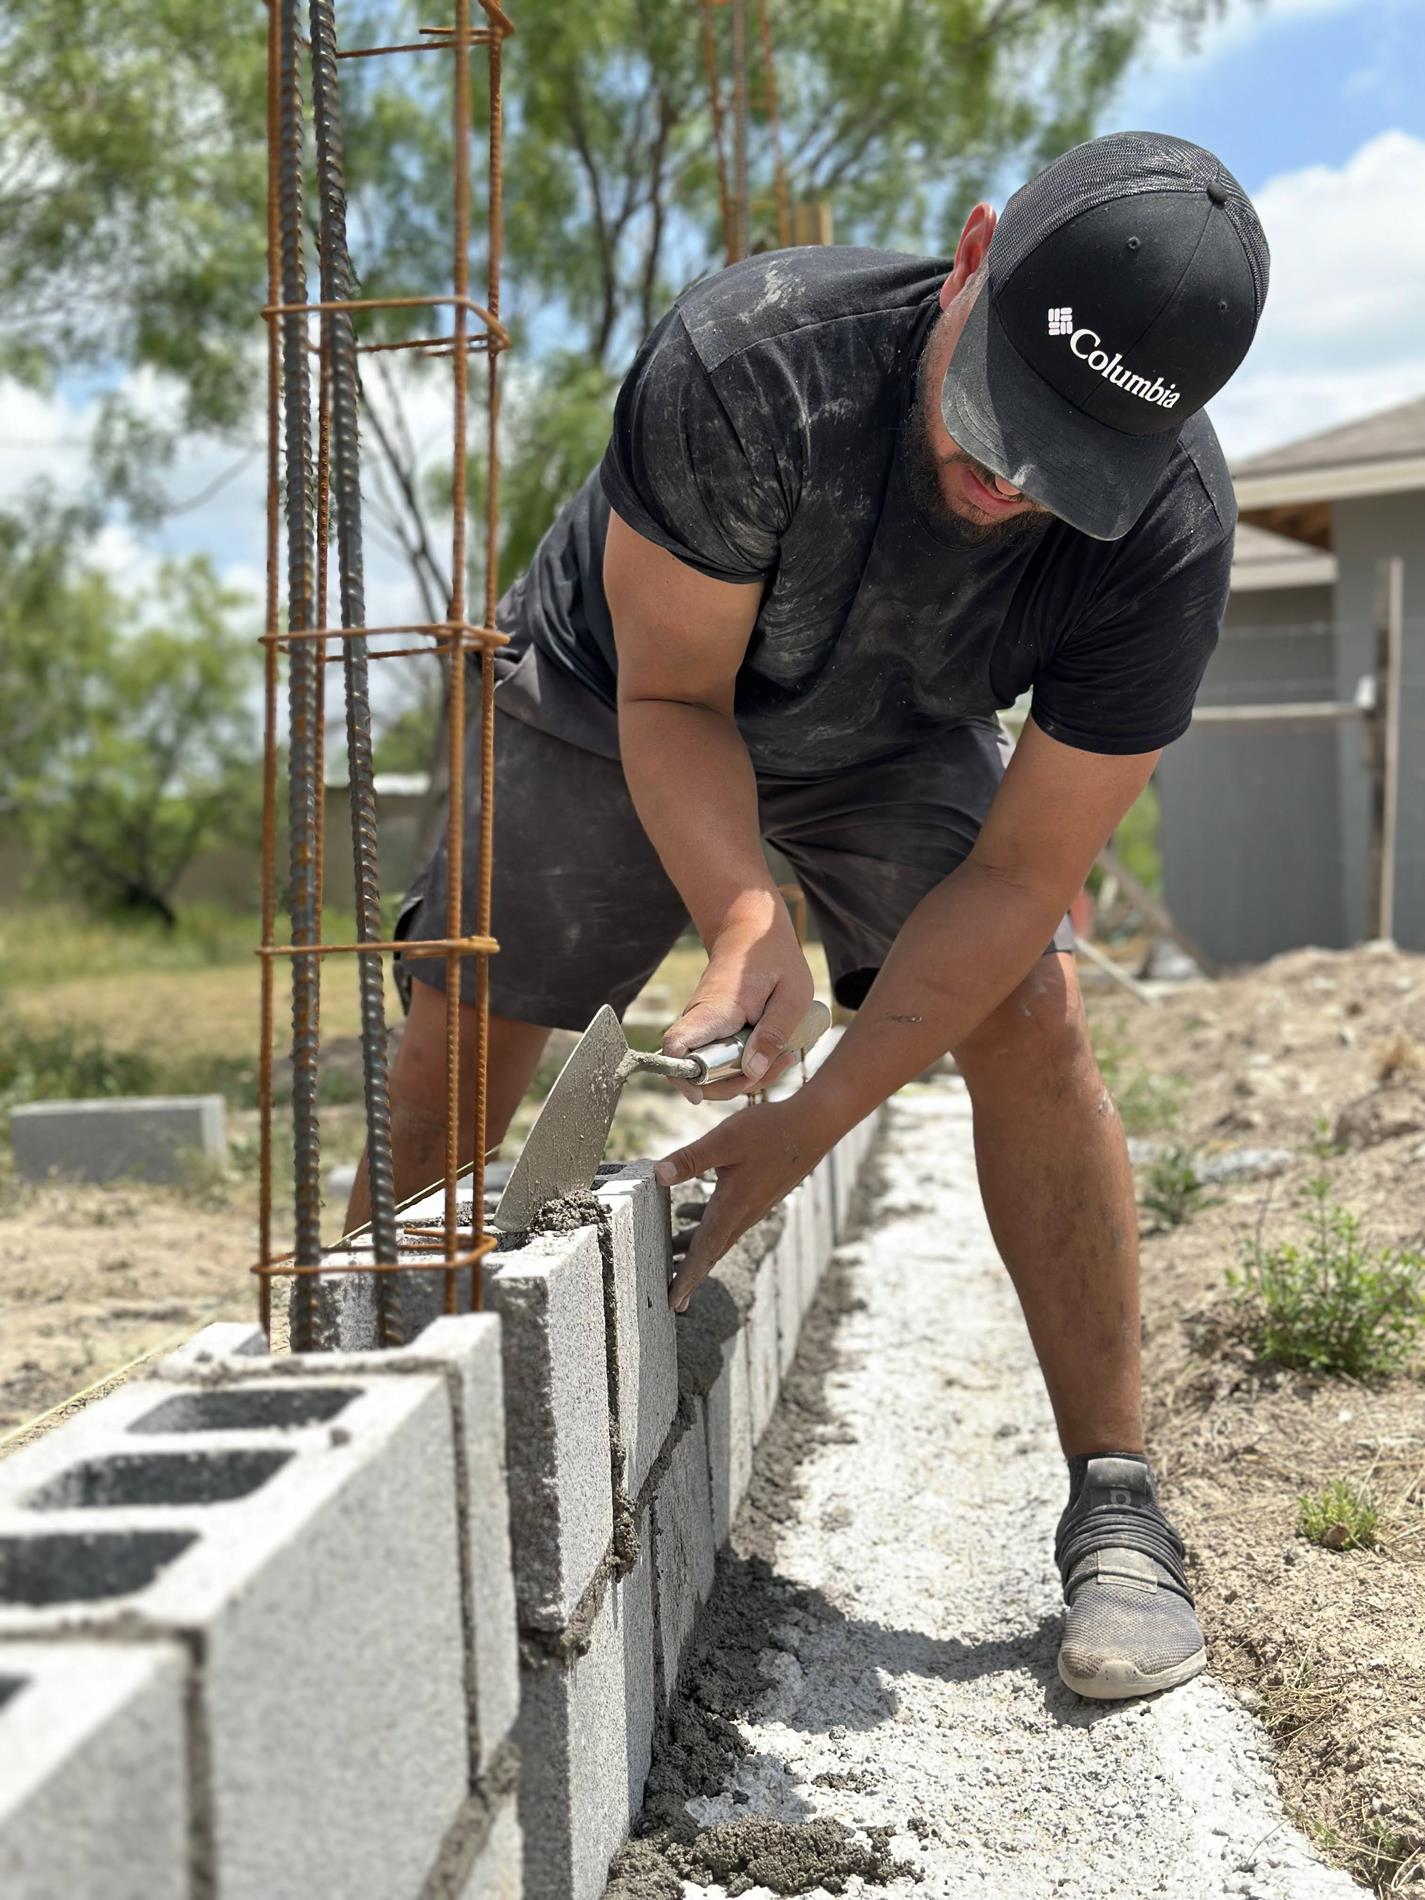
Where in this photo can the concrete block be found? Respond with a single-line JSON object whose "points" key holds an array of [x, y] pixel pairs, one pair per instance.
{"points": [[764, 1362], [730, 1435], [326, 1598], [93, 1772], [150, 1137], [550, 1297], [585, 1737], [465, 1351], [498, 1873], [471, 1346], [684, 1547], [787, 1266], [646, 1388]]}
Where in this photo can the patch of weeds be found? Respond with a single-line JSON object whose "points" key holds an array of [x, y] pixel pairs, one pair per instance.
{"points": [[1341, 1517], [1146, 1103], [1329, 1302], [204, 1179], [1293, 1699], [1173, 1190], [65, 1063]]}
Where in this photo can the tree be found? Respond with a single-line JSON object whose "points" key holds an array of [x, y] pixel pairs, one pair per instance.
{"points": [[134, 729], [131, 218]]}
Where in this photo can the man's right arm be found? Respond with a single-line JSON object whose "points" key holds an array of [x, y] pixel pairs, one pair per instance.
{"points": [[680, 637]]}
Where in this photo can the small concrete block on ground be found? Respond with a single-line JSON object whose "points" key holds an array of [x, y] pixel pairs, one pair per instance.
{"points": [[549, 1295], [647, 1384], [93, 1772], [146, 1137], [684, 1548], [319, 1565], [498, 1873], [585, 1737]]}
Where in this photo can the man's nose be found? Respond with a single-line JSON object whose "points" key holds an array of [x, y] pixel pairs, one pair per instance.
{"points": [[1007, 489]]}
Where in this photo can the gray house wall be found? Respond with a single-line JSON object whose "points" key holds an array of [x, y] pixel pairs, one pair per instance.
{"points": [[1251, 818], [1364, 533]]}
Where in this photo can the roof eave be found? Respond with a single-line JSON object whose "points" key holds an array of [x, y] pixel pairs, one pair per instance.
{"points": [[1347, 481]]}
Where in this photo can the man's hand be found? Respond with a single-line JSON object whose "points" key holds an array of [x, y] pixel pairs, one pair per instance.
{"points": [[760, 1155], [756, 973]]}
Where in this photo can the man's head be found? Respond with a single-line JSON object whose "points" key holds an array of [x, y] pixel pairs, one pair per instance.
{"points": [[1118, 292]]}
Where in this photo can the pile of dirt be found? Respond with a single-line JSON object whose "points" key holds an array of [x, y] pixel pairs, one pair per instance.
{"points": [[1320, 1054]]}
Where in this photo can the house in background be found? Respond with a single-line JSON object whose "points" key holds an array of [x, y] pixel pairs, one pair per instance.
{"points": [[1266, 830]]}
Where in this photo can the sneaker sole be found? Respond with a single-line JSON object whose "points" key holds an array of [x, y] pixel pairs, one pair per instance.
{"points": [[1116, 1682]]}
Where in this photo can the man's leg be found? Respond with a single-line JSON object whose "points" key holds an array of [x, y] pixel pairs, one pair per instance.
{"points": [[1057, 1188], [1054, 1173], [418, 1098]]}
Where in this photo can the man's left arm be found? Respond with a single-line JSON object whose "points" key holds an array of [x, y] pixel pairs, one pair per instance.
{"points": [[964, 948]]}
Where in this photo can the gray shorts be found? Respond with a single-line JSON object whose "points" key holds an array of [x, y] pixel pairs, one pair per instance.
{"points": [[585, 913]]}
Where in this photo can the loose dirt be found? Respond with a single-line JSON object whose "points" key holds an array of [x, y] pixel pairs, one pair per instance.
{"points": [[1310, 1051], [873, 1705]]}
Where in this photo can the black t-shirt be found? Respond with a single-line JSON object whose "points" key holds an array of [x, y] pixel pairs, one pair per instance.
{"points": [[760, 435]]}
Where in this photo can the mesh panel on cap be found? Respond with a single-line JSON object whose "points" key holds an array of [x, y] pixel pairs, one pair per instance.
{"points": [[1120, 166]]}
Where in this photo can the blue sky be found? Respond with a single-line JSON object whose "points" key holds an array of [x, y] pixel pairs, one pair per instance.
{"points": [[1286, 85], [1318, 106]]}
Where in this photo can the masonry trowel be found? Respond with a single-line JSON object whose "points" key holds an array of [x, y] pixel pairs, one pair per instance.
{"points": [[566, 1144]]}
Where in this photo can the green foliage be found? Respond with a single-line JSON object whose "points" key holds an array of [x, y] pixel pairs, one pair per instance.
{"points": [[132, 237], [1328, 1302], [1147, 1104], [1172, 1189], [66, 1063], [121, 771], [1136, 840], [1341, 1517]]}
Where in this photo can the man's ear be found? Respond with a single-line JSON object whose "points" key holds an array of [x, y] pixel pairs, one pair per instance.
{"points": [[970, 253]]}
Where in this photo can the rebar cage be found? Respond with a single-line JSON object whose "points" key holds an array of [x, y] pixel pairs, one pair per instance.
{"points": [[315, 493]]}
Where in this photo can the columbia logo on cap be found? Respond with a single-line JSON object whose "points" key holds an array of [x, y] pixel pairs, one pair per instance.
{"points": [[1061, 320]]}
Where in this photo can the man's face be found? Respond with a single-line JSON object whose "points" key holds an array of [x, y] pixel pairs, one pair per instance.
{"points": [[964, 499]]}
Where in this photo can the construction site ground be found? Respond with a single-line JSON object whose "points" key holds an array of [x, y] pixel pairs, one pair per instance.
{"points": [[1325, 1647]]}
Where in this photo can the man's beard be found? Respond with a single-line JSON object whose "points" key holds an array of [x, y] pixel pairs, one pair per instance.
{"points": [[923, 466]]}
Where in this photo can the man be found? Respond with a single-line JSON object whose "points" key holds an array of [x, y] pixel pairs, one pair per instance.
{"points": [[856, 503]]}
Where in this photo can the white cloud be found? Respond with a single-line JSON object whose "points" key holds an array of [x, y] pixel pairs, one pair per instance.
{"points": [[1342, 333]]}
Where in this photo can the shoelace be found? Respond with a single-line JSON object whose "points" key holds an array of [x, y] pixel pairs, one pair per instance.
{"points": [[1120, 1527]]}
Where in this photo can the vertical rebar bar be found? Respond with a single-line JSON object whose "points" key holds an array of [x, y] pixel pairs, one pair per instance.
{"points": [[774, 123], [455, 817], [269, 687], [487, 658], [739, 127], [336, 279], [719, 138], [302, 688]]}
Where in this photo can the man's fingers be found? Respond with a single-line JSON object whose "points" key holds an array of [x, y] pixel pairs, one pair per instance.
{"points": [[711, 1239], [786, 1007], [706, 1019], [686, 1164]]}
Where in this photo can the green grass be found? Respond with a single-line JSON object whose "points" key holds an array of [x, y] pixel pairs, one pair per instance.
{"points": [[1147, 1104], [1172, 1190], [1341, 1517], [1328, 1302]]}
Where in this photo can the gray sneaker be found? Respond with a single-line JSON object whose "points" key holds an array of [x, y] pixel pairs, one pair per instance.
{"points": [[1130, 1627]]}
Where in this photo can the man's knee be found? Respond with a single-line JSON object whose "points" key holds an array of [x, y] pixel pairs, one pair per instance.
{"points": [[1039, 1034]]}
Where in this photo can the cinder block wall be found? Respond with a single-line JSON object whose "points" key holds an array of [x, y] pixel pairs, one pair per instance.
{"points": [[359, 1625]]}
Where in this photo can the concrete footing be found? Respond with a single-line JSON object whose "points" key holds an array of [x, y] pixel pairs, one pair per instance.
{"points": [[390, 1624]]}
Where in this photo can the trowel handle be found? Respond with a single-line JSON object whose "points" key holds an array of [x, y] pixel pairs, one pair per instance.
{"points": [[721, 1061]]}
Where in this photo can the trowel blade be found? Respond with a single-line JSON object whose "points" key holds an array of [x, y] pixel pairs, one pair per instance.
{"points": [[564, 1148]]}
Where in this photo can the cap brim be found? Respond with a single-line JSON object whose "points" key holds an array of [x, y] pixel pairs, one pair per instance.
{"points": [[1003, 413]]}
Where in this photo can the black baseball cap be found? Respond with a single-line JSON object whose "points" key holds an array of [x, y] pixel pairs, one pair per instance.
{"points": [[1125, 282]]}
